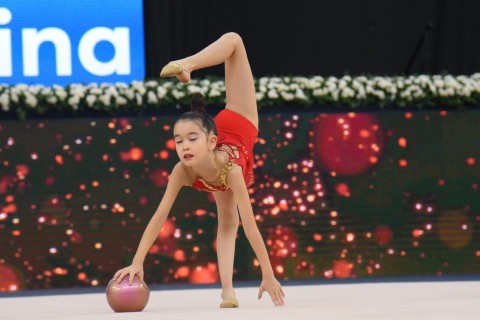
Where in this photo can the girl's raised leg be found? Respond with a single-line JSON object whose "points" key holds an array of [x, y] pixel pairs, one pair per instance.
{"points": [[230, 50]]}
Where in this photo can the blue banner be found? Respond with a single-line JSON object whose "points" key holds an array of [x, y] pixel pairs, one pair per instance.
{"points": [[77, 41]]}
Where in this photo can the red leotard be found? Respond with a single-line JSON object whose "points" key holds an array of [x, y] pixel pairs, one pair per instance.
{"points": [[236, 137]]}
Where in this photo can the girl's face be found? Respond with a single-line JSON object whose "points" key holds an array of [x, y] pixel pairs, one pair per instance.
{"points": [[192, 143]]}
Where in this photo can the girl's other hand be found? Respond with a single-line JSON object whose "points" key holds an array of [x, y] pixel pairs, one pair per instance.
{"points": [[274, 289]]}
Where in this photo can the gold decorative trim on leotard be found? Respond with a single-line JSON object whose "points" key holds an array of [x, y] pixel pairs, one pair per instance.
{"points": [[222, 179], [231, 150]]}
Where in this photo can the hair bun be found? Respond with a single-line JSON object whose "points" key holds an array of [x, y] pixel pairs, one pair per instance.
{"points": [[198, 103]]}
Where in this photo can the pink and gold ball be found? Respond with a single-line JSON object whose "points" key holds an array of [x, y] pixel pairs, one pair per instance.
{"points": [[125, 297]]}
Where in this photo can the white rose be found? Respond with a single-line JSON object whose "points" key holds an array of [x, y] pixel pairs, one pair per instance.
{"points": [[214, 93], [260, 96], [139, 99], [21, 87], [52, 99], [47, 92], [161, 92], [138, 86], [380, 94], [151, 98], [347, 93], [151, 84], [282, 87], [130, 94], [96, 91], [263, 81], [5, 102], [74, 100], [91, 99], [14, 96], [105, 99], [362, 79], [194, 89], [61, 94], [331, 86], [121, 85], [272, 94], [120, 101], [31, 100], [319, 92], [112, 91], [178, 94], [287, 96], [335, 94], [299, 94], [361, 94], [369, 89], [313, 84]]}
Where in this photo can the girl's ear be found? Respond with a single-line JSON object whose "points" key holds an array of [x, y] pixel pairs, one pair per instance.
{"points": [[212, 142]]}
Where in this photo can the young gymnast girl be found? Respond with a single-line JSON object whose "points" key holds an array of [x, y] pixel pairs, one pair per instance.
{"points": [[216, 156]]}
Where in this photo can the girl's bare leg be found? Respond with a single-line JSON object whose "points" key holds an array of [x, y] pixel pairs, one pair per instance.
{"points": [[228, 221], [240, 86]]}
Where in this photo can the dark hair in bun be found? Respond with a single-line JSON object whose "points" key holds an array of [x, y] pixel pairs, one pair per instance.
{"points": [[199, 114], [198, 103]]}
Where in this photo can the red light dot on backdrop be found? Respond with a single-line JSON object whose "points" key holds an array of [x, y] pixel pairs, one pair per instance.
{"points": [[11, 279], [402, 163], [167, 229], [383, 235], [182, 272], [202, 274], [343, 190], [159, 177], [59, 159], [76, 237], [200, 212], [4, 183], [143, 200], [470, 161], [170, 144], [22, 171], [346, 145], [49, 181], [179, 255], [342, 269], [136, 154], [163, 154], [10, 208]]}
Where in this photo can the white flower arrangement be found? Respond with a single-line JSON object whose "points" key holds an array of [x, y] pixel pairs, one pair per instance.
{"points": [[436, 91]]}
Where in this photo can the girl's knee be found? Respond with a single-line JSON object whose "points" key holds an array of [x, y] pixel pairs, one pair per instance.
{"points": [[234, 37], [228, 221]]}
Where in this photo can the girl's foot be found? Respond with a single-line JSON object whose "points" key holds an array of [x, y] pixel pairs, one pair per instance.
{"points": [[231, 302], [229, 299], [175, 69]]}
